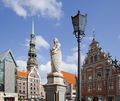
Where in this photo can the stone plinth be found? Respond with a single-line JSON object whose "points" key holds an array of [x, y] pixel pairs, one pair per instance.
{"points": [[55, 78], [55, 88]]}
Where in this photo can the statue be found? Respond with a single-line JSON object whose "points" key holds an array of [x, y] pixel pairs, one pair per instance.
{"points": [[56, 57]]}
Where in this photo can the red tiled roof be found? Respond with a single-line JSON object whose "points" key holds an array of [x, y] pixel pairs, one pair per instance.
{"points": [[22, 74], [70, 78]]}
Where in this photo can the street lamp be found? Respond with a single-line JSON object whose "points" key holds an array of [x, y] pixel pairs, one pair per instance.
{"points": [[79, 22]]}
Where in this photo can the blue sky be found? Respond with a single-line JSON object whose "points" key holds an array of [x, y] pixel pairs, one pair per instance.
{"points": [[53, 19]]}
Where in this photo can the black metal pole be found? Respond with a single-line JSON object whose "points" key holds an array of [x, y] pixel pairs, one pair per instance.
{"points": [[79, 70], [79, 34]]}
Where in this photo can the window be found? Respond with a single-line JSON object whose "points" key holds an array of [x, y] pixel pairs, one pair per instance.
{"points": [[91, 59], [99, 86], [74, 93], [1, 67], [89, 77], [95, 58], [19, 91], [99, 75], [89, 87], [1, 77], [36, 80], [111, 86], [119, 83], [90, 99]]}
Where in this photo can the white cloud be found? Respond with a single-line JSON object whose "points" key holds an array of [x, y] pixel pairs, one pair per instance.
{"points": [[74, 57], [44, 69], [40, 42], [69, 67], [21, 65], [48, 8]]}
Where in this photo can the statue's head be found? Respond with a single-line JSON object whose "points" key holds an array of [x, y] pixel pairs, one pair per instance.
{"points": [[56, 40]]}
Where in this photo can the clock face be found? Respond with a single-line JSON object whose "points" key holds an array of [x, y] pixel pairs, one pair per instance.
{"points": [[32, 49]]}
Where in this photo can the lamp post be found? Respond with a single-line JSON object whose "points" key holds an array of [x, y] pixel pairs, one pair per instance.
{"points": [[79, 22]]}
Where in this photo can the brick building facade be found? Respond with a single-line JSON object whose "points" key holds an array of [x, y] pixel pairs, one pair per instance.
{"points": [[100, 78]]}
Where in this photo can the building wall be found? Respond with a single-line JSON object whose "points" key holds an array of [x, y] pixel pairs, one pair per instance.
{"points": [[96, 86], [118, 85], [10, 76], [7, 77], [99, 76], [22, 87], [33, 84], [29, 85], [1, 76], [42, 92]]}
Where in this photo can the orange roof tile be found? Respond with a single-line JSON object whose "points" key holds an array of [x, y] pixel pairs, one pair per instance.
{"points": [[22, 74], [70, 78]]}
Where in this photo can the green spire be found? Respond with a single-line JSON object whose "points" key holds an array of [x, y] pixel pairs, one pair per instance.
{"points": [[32, 61]]}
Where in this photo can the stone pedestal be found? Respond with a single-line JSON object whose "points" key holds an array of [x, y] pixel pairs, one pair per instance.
{"points": [[55, 88]]}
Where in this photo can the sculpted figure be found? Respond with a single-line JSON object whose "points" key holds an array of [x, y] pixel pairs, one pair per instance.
{"points": [[56, 57]]}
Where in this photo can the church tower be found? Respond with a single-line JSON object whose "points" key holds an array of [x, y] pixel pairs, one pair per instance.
{"points": [[32, 61]]}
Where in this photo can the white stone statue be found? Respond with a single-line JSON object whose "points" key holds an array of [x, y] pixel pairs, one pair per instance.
{"points": [[56, 56]]}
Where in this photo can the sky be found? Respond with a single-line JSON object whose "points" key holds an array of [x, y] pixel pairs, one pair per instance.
{"points": [[52, 18]]}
